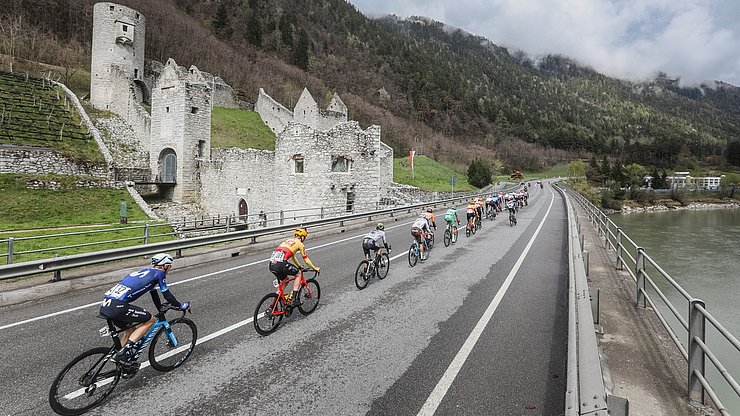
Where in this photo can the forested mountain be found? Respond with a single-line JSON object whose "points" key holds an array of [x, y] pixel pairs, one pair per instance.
{"points": [[451, 93]]}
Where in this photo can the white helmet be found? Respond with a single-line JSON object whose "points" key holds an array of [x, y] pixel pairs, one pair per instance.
{"points": [[161, 259]]}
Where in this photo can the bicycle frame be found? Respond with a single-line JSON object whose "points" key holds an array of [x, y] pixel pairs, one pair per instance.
{"points": [[281, 292]]}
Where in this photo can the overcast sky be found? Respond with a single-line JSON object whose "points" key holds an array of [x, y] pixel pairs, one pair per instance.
{"points": [[698, 40]]}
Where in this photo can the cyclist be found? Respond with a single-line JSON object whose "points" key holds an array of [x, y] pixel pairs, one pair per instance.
{"points": [[282, 268], [419, 230], [479, 208], [451, 218], [470, 212], [429, 215], [372, 239], [491, 203], [134, 319], [511, 206]]}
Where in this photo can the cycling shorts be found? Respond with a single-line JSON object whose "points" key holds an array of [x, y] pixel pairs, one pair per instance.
{"points": [[470, 215], [283, 269], [450, 220], [367, 245], [416, 233], [123, 314]]}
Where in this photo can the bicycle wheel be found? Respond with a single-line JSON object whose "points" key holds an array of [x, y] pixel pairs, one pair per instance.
{"points": [[268, 314], [384, 264], [467, 231], [430, 241], [361, 275], [309, 295], [171, 347], [447, 238], [474, 228], [413, 258], [84, 383]]}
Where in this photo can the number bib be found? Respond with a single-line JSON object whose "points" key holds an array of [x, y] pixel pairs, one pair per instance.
{"points": [[118, 291], [277, 256]]}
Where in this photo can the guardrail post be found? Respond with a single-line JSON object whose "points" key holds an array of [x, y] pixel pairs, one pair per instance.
{"points": [[620, 262], [57, 273], [696, 354], [606, 232], [282, 217], [11, 243], [582, 240], [146, 233], [586, 262], [228, 224], [640, 273], [178, 254], [321, 213]]}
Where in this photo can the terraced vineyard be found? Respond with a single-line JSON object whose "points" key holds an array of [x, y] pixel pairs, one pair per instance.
{"points": [[35, 113]]}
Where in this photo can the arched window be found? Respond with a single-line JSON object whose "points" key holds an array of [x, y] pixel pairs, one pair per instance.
{"points": [[168, 166]]}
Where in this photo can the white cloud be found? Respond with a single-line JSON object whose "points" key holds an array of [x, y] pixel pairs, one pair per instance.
{"points": [[697, 40]]}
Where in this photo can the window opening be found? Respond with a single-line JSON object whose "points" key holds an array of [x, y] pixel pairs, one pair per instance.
{"points": [[201, 147], [350, 201], [298, 160], [193, 110], [340, 164]]}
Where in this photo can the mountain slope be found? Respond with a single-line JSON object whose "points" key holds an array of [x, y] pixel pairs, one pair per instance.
{"points": [[455, 94]]}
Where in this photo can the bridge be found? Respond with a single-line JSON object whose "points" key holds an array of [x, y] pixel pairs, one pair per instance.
{"points": [[480, 328]]}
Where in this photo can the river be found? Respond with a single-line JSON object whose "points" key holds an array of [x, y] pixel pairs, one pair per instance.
{"points": [[700, 249]]}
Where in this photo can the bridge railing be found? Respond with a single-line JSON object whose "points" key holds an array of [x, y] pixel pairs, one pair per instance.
{"points": [[642, 268]]}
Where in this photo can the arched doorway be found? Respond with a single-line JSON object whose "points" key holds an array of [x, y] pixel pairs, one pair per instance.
{"points": [[167, 166], [243, 210]]}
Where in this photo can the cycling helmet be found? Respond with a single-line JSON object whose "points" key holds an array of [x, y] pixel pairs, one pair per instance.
{"points": [[161, 259], [380, 226], [430, 210], [300, 232]]}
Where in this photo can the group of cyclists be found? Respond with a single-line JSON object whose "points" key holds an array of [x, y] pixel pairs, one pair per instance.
{"points": [[136, 321]]}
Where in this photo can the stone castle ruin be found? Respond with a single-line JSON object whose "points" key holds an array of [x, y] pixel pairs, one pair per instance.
{"points": [[320, 158]]}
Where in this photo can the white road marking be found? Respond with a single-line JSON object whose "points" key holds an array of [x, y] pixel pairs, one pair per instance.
{"points": [[182, 281], [440, 390]]}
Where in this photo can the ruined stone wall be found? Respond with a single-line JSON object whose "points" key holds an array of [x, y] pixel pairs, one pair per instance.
{"points": [[235, 174], [126, 105], [273, 114], [34, 160]]}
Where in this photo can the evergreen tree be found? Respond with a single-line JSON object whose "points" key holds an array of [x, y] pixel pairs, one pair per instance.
{"points": [[479, 175], [300, 53], [221, 23], [286, 30], [733, 153], [254, 32]]}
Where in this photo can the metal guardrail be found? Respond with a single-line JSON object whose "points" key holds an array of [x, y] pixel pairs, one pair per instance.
{"points": [[58, 264], [585, 389], [633, 258]]}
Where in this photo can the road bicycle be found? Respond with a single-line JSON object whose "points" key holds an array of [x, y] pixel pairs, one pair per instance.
{"points": [[367, 269], [90, 378], [470, 228], [450, 236], [274, 306], [512, 219], [478, 223], [491, 213], [415, 252]]}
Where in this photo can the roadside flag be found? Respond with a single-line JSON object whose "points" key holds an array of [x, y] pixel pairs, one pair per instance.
{"points": [[411, 161]]}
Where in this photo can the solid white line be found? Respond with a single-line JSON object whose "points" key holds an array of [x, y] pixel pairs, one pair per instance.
{"points": [[440, 390], [181, 281]]}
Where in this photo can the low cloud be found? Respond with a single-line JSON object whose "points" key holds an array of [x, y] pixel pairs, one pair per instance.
{"points": [[696, 40]]}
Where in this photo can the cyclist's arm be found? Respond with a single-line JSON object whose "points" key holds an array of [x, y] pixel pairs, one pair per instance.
{"points": [[166, 293], [306, 259]]}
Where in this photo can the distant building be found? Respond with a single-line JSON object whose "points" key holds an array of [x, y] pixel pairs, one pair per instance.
{"points": [[683, 180]]}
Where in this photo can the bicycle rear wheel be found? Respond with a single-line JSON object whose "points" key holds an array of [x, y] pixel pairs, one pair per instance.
{"points": [[361, 274], [171, 347], [268, 314], [309, 295], [84, 383], [447, 239], [384, 264], [412, 255], [467, 231]]}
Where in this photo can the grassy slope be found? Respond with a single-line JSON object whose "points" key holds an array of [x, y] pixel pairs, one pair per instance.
{"points": [[429, 175], [231, 127]]}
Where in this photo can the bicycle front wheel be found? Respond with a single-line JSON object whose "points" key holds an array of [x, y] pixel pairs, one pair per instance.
{"points": [[172, 346], [268, 314], [383, 265], [361, 274], [309, 295], [84, 383], [430, 241], [447, 238], [412, 255]]}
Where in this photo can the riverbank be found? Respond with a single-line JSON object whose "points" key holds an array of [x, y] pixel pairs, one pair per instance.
{"points": [[672, 205]]}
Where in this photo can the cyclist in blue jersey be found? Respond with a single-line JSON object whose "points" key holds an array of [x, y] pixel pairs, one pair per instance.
{"points": [[135, 320]]}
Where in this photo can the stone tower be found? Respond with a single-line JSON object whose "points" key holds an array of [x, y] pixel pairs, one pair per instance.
{"points": [[181, 130], [117, 52]]}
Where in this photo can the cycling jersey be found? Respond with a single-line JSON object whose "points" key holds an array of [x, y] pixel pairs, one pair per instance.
{"points": [[430, 219], [470, 209], [421, 223], [137, 283], [451, 215], [287, 250], [376, 236]]}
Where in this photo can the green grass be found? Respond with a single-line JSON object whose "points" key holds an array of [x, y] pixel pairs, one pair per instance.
{"points": [[45, 211], [429, 175], [233, 127]]}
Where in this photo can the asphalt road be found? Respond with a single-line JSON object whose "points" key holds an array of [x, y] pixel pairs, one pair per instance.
{"points": [[478, 329]]}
